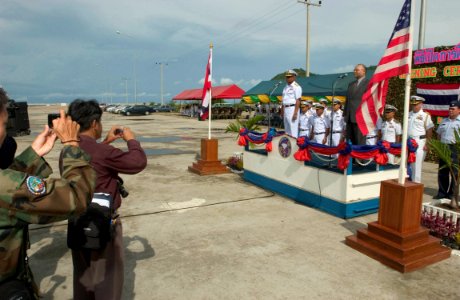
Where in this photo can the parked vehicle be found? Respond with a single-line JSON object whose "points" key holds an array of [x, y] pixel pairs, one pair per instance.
{"points": [[164, 108], [137, 110]]}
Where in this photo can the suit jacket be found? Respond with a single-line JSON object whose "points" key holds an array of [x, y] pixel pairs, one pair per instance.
{"points": [[354, 96]]}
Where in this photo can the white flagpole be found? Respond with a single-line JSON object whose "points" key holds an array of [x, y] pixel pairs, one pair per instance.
{"points": [[402, 166], [210, 93]]}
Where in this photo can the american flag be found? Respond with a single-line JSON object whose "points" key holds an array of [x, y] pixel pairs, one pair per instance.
{"points": [[206, 95], [395, 61]]}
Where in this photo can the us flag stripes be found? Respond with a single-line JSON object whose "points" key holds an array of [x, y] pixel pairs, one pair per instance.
{"points": [[395, 61]]}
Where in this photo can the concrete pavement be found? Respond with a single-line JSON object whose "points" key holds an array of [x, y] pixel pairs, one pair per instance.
{"points": [[218, 237]]}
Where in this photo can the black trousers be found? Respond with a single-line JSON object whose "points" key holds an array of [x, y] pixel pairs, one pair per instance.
{"points": [[354, 134], [445, 179]]}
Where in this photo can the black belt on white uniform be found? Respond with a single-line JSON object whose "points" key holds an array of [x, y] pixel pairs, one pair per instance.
{"points": [[370, 137], [289, 105], [421, 137], [320, 132], [337, 132], [303, 129]]}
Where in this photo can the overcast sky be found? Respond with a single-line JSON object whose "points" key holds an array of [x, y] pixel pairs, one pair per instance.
{"points": [[58, 50]]}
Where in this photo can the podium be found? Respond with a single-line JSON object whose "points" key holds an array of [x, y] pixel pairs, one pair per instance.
{"points": [[209, 164], [397, 239]]}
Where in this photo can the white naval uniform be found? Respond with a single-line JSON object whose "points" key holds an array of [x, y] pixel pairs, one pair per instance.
{"points": [[419, 123], [304, 124], [389, 131], [327, 112], [291, 93], [371, 137], [338, 126], [319, 124]]}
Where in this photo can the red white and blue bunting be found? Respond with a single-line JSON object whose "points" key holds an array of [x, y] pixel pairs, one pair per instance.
{"points": [[258, 138], [344, 150]]}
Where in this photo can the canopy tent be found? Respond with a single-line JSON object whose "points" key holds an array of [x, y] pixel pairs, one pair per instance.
{"points": [[313, 88], [218, 92]]}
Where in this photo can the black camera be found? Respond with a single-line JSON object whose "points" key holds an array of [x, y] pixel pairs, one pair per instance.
{"points": [[51, 117], [121, 188], [123, 192]]}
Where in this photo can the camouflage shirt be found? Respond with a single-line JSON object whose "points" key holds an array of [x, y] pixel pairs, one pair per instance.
{"points": [[26, 197]]}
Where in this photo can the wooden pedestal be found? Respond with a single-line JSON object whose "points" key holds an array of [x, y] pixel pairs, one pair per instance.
{"points": [[209, 163], [397, 239]]}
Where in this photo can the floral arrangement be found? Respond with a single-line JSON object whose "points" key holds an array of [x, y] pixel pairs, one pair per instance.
{"points": [[442, 227], [235, 162]]}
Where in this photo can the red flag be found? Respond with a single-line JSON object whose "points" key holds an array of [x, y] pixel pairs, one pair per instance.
{"points": [[395, 61], [206, 95]]}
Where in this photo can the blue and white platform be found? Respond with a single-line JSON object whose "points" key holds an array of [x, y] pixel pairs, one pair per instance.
{"points": [[345, 194]]}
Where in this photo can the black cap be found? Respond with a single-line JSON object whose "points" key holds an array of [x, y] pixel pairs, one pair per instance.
{"points": [[455, 104]]}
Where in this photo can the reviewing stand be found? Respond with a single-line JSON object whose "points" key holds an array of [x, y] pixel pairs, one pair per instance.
{"points": [[397, 239], [209, 163]]}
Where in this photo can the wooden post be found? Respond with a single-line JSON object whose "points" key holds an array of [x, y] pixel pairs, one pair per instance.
{"points": [[209, 163], [397, 239]]}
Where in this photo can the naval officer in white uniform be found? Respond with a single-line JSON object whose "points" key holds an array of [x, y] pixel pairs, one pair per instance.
{"points": [[292, 93], [320, 126], [420, 129], [390, 130], [304, 119], [338, 123]]}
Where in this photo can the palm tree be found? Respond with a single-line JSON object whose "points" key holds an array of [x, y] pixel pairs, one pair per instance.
{"points": [[249, 124], [444, 152]]}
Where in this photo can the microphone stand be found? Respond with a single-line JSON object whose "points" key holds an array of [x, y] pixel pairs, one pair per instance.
{"points": [[270, 102]]}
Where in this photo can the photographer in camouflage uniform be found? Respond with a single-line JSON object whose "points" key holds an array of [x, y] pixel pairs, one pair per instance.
{"points": [[27, 196]]}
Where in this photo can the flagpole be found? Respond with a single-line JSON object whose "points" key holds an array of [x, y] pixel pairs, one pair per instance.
{"points": [[210, 93], [403, 164]]}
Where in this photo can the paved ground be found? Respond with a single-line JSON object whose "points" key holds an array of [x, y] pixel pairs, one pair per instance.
{"points": [[218, 237]]}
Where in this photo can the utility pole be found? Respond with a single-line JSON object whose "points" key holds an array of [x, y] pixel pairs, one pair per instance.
{"points": [[308, 3], [421, 31], [161, 64], [126, 88]]}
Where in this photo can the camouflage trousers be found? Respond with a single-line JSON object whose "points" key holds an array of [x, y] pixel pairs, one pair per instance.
{"points": [[98, 274]]}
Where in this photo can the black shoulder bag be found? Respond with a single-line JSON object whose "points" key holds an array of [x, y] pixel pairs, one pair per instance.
{"points": [[93, 229]]}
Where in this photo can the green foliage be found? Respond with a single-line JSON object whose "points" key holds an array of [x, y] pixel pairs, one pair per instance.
{"points": [[444, 153], [250, 124]]}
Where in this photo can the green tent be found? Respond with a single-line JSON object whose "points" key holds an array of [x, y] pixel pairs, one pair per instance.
{"points": [[314, 87]]}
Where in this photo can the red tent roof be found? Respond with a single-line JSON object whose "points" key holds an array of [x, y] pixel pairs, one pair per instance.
{"points": [[219, 92]]}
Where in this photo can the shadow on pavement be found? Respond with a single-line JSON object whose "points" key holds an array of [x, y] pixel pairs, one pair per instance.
{"points": [[353, 226], [136, 249], [44, 261]]}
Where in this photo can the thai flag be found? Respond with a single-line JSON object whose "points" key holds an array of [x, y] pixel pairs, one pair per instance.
{"points": [[438, 96], [395, 61], [206, 95]]}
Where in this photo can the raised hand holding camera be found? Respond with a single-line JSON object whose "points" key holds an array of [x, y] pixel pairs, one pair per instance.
{"points": [[44, 142], [128, 134], [66, 129], [116, 132]]}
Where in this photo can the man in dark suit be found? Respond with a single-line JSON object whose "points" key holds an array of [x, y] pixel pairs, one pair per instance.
{"points": [[355, 93]]}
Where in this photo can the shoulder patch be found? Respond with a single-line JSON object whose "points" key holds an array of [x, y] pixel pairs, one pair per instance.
{"points": [[36, 185]]}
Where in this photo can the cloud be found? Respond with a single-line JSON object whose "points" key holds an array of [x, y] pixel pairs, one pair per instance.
{"points": [[226, 81], [63, 49]]}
